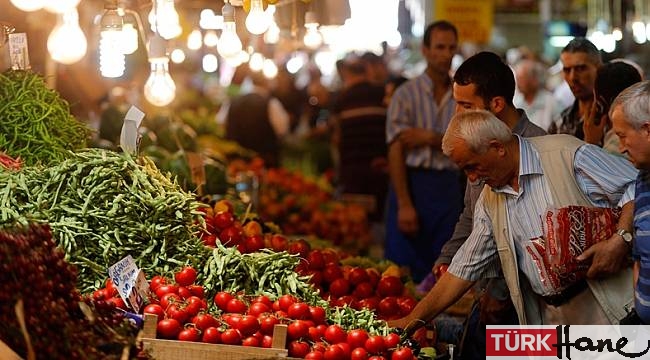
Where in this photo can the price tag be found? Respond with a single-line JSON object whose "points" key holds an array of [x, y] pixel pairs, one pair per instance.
{"points": [[129, 137], [130, 282], [18, 51]]}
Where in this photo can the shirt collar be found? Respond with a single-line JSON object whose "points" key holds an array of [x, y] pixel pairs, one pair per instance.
{"points": [[529, 162], [522, 123]]}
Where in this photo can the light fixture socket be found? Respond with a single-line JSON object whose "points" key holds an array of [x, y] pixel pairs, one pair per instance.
{"points": [[111, 20], [310, 19], [157, 47], [228, 13]]}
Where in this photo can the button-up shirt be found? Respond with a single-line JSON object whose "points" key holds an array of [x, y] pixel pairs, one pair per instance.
{"points": [[606, 180], [413, 106]]}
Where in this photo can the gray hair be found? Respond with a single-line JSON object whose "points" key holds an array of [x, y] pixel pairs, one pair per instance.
{"points": [[532, 69], [635, 104], [477, 128]]}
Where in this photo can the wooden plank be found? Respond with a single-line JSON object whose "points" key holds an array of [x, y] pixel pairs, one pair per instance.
{"points": [[176, 350], [6, 353]]}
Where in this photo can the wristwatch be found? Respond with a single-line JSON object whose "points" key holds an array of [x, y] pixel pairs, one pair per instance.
{"points": [[626, 235]]}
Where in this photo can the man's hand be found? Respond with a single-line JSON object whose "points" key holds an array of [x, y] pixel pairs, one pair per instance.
{"points": [[594, 126], [607, 257], [407, 220], [415, 137]]}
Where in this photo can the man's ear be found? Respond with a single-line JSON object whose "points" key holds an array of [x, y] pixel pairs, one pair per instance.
{"points": [[498, 146], [497, 104], [645, 130]]}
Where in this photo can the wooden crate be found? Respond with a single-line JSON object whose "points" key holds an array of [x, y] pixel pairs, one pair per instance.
{"points": [[184, 350]]}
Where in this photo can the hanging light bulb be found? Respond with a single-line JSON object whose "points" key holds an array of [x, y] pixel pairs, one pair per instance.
{"points": [[129, 38], [229, 44], [159, 89], [28, 5], [256, 62], [60, 6], [164, 19], [270, 70], [67, 43], [111, 56], [272, 35], [177, 56], [257, 21], [210, 63], [312, 38], [210, 39], [194, 40]]}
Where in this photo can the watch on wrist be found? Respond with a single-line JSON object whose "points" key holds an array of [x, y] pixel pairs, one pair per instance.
{"points": [[626, 235]]}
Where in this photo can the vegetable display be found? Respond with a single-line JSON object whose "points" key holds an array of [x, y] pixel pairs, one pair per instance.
{"points": [[102, 206], [35, 122]]}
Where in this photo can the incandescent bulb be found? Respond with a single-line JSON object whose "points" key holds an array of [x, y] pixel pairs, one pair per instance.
{"points": [[28, 5], [67, 43], [129, 39], [177, 56], [60, 6], [211, 39], [194, 40], [256, 62], [257, 21], [164, 19], [272, 35], [270, 70], [210, 63], [229, 44], [312, 38], [160, 89]]}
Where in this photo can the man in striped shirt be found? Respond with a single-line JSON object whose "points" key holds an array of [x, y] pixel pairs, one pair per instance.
{"points": [[630, 115], [522, 183], [424, 199]]}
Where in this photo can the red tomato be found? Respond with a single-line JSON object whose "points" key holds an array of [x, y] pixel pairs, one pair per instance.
{"points": [[374, 276], [316, 277], [298, 349], [285, 301], [299, 311], [339, 287], [359, 353], [169, 299], [391, 340], [166, 289], [168, 328], [156, 281], [267, 323], [406, 305], [222, 298], [332, 272], [254, 243], [189, 334], [267, 341], [300, 247], [317, 314], [185, 277], [314, 355], [178, 313], [363, 290], [330, 256], [211, 335], [315, 260], [232, 319], [251, 341], [155, 309], [264, 300], [230, 236], [197, 290], [117, 302], [390, 286], [297, 329], [231, 337], [279, 243], [376, 357], [236, 306], [111, 290], [184, 292], [404, 353], [335, 334], [388, 306], [370, 303], [333, 352], [223, 220], [204, 321], [358, 275], [258, 308], [347, 349], [248, 325], [375, 344], [357, 338], [194, 305]]}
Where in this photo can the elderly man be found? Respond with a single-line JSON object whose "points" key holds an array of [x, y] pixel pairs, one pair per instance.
{"points": [[524, 178], [630, 115], [531, 95]]}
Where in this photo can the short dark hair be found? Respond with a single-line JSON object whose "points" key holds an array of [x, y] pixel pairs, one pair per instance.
{"points": [[490, 74], [583, 45], [612, 78], [442, 25]]}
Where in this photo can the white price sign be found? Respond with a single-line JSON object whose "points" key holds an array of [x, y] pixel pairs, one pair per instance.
{"points": [[130, 282]]}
